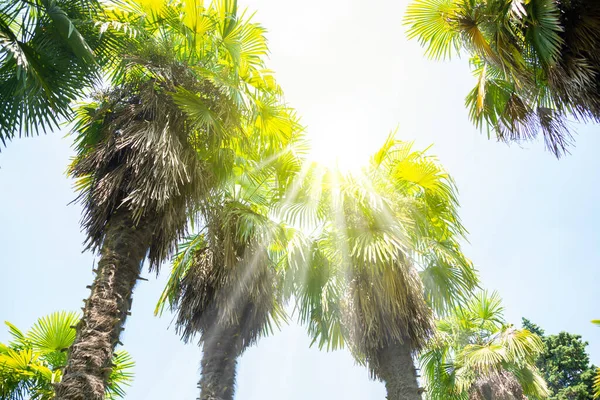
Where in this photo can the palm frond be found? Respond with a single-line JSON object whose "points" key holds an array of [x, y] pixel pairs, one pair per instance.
{"points": [[51, 54], [32, 363], [544, 30], [120, 376], [534, 62], [433, 23]]}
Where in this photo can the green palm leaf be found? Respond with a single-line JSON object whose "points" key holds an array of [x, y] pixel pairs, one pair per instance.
{"points": [[432, 22], [120, 376], [51, 54], [53, 332], [544, 29], [32, 363]]}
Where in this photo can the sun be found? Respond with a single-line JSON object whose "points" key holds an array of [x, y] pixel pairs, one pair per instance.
{"points": [[346, 152]]}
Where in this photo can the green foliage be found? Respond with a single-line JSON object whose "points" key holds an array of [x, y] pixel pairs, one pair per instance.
{"points": [[191, 95], [50, 54], [227, 279], [474, 347], [565, 365], [32, 362], [233, 264], [535, 61], [384, 252]]}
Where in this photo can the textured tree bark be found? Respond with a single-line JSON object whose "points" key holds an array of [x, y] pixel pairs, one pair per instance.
{"points": [[90, 357], [397, 370], [220, 352]]}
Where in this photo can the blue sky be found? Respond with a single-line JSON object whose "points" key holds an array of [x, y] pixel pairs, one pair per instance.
{"points": [[351, 74]]}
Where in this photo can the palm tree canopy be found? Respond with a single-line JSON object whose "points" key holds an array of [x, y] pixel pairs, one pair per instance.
{"points": [[191, 92], [230, 272], [474, 348], [227, 281], [535, 61], [51, 52], [32, 361], [386, 253]]}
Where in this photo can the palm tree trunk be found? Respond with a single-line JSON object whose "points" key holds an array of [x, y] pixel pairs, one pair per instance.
{"points": [[90, 357], [219, 361], [397, 370]]}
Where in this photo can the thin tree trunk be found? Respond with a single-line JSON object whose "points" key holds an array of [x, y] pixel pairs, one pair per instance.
{"points": [[220, 352], [397, 370], [90, 357]]}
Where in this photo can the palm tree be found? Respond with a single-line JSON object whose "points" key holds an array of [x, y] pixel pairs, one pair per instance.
{"points": [[151, 148], [228, 294], [227, 281], [477, 356], [385, 257], [536, 61], [51, 52], [31, 363]]}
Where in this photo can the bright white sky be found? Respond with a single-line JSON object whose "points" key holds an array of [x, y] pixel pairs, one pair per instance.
{"points": [[351, 74]]}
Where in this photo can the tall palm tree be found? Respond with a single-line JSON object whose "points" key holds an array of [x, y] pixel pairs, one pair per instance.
{"points": [[31, 363], [151, 148], [386, 256], [477, 356], [226, 281], [228, 295], [51, 52], [536, 61]]}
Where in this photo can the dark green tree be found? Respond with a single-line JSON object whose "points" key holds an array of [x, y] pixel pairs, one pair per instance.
{"points": [[564, 364]]}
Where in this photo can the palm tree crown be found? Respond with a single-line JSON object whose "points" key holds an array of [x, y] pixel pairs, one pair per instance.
{"points": [[475, 355], [536, 61], [167, 131]]}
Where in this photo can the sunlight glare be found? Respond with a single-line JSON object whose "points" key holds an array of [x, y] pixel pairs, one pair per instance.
{"points": [[347, 152]]}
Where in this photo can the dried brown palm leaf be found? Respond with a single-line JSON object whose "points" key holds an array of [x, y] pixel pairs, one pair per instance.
{"points": [[501, 385]]}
